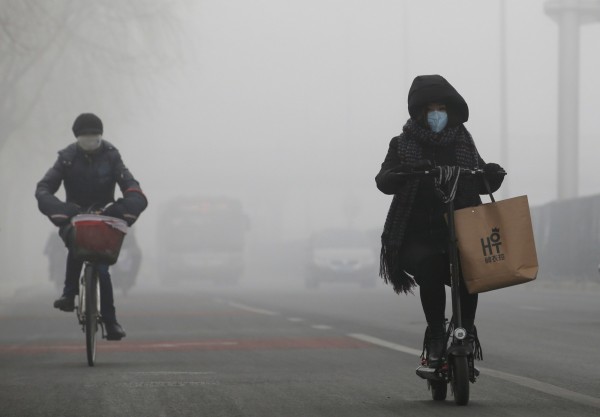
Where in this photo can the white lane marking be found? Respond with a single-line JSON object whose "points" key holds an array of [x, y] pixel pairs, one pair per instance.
{"points": [[515, 379], [154, 384], [173, 373], [532, 308], [253, 309], [166, 345], [295, 319], [385, 343], [182, 344], [544, 387], [321, 327]]}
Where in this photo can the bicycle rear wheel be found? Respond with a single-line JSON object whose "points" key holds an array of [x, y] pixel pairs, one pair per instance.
{"points": [[91, 313], [460, 379]]}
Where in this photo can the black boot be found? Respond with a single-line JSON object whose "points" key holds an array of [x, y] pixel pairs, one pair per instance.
{"points": [[114, 331], [468, 324], [65, 303], [472, 339], [435, 344]]}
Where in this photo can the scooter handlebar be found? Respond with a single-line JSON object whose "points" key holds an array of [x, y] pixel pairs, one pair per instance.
{"points": [[437, 170]]}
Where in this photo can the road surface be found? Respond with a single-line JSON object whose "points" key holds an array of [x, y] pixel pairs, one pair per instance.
{"points": [[262, 351]]}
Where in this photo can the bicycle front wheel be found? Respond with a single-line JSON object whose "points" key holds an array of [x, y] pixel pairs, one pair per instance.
{"points": [[460, 379], [91, 313]]}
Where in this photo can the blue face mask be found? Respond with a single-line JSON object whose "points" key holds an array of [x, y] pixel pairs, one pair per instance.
{"points": [[437, 120]]}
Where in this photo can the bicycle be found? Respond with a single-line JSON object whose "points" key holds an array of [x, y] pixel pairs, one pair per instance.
{"points": [[97, 239], [458, 369]]}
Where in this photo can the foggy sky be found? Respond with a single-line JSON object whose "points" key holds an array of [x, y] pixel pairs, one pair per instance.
{"points": [[302, 98], [291, 105]]}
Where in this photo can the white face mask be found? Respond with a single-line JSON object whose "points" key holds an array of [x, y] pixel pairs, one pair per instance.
{"points": [[89, 143]]}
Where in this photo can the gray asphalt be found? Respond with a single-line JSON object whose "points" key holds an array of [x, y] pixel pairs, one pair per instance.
{"points": [[261, 351]]}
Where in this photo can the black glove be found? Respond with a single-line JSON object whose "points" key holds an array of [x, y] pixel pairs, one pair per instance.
{"points": [[119, 211], [67, 234], [420, 165], [114, 210], [63, 213], [493, 170]]}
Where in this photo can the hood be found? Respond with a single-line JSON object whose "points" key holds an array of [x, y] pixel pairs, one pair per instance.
{"points": [[427, 89]]}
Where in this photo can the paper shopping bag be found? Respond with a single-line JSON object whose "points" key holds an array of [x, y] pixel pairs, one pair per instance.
{"points": [[496, 244]]}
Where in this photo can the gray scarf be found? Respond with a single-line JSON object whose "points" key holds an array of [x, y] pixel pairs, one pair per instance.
{"points": [[410, 149]]}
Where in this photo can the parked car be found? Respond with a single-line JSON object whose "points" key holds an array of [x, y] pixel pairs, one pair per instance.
{"points": [[341, 255]]}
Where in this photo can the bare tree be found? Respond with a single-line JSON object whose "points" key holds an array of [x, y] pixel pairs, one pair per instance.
{"points": [[54, 51], [57, 58]]}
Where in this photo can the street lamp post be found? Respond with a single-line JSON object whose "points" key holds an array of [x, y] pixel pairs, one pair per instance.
{"points": [[570, 15], [504, 146]]}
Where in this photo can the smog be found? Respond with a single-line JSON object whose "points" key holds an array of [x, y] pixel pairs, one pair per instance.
{"points": [[284, 109]]}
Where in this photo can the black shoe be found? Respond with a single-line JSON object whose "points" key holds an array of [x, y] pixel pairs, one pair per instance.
{"points": [[473, 341], [114, 331], [435, 344], [65, 303]]}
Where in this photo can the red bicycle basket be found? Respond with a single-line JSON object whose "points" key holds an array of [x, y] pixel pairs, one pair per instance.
{"points": [[98, 238]]}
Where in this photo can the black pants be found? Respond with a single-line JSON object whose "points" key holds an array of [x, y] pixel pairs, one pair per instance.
{"points": [[426, 258], [73, 272], [107, 306]]}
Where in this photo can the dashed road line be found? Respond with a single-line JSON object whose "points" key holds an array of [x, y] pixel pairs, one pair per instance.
{"points": [[385, 344], [253, 309], [335, 342], [515, 379], [173, 373], [295, 319], [532, 308]]}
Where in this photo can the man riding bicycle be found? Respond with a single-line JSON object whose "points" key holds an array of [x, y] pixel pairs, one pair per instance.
{"points": [[89, 169]]}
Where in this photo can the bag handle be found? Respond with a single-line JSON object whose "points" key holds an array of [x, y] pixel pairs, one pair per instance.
{"points": [[487, 188]]}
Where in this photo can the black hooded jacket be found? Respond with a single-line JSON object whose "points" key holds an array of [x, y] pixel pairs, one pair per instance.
{"points": [[427, 89], [424, 90], [416, 208], [90, 180]]}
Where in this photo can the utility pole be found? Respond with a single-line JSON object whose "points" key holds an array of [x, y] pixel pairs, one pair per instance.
{"points": [[504, 145], [570, 15]]}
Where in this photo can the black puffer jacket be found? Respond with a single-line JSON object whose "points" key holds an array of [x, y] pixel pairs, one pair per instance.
{"points": [[89, 180]]}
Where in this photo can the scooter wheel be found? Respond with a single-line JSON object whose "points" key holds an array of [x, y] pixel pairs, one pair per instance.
{"points": [[460, 379], [439, 390]]}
